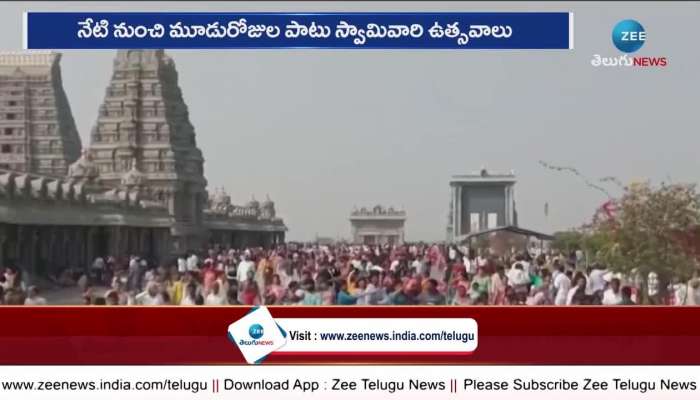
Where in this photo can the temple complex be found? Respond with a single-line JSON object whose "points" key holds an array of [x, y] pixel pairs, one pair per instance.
{"points": [[378, 225], [138, 189]]}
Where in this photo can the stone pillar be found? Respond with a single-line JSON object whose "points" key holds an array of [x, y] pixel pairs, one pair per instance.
{"points": [[508, 205], [83, 239], [127, 239], [115, 246], [91, 236], [143, 242], [65, 248], [457, 229], [51, 261], [19, 248], [511, 202], [33, 250]]}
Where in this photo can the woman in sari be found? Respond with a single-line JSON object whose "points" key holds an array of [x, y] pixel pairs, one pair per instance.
{"points": [[497, 290]]}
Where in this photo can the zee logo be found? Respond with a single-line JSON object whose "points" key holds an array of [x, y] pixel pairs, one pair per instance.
{"points": [[629, 36], [256, 331]]}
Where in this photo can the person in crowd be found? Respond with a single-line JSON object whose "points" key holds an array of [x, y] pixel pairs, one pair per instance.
{"points": [[250, 292], [111, 298], [232, 294], [561, 286], [541, 294], [310, 297], [216, 296], [497, 287], [245, 268], [152, 296], [519, 281], [344, 298], [98, 269], [626, 294], [612, 295], [342, 274], [33, 298], [461, 297], [480, 286], [407, 294], [275, 292], [430, 294], [577, 294]]}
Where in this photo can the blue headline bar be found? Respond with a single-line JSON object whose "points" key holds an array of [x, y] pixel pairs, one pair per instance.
{"points": [[56, 30]]}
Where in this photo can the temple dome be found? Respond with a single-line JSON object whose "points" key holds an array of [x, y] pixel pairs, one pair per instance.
{"points": [[268, 203], [268, 209], [220, 200], [253, 203]]}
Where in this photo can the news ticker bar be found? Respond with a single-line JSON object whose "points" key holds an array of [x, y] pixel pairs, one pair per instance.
{"points": [[154, 30], [350, 382], [198, 335]]}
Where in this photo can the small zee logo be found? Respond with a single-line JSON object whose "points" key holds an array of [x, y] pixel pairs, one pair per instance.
{"points": [[629, 36], [256, 331]]}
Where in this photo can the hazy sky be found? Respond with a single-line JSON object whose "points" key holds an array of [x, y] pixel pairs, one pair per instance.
{"points": [[324, 130]]}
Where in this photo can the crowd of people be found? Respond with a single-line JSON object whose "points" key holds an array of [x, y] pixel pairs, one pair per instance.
{"points": [[313, 274]]}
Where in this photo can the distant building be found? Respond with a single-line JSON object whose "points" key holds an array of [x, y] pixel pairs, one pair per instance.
{"points": [[481, 201], [37, 131], [324, 240], [378, 225]]}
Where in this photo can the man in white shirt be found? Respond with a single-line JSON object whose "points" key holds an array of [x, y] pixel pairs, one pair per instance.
{"points": [[418, 265], [243, 267], [562, 284], [150, 297], [133, 274], [596, 280], [193, 263], [181, 265], [612, 296], [98, 268]]}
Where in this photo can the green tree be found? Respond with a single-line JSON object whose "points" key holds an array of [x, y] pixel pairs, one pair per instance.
{"points": [[568, 241], [643, 234]]}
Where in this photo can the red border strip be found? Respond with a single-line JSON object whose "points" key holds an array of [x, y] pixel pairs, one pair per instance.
{"points": [[507, 335]]}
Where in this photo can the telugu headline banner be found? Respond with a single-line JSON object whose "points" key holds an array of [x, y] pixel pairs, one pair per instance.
{"points": [[111, 30]]}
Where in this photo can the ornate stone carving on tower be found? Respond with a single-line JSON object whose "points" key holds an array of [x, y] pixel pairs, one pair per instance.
{"points": [[37, 130], [144, 127]]}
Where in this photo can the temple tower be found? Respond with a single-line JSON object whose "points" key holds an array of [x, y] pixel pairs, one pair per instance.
{"points": [[143, 125], [37, 130]]}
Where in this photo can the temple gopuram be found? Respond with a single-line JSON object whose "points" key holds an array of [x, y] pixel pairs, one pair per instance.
{"points": [[139, 188]]}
